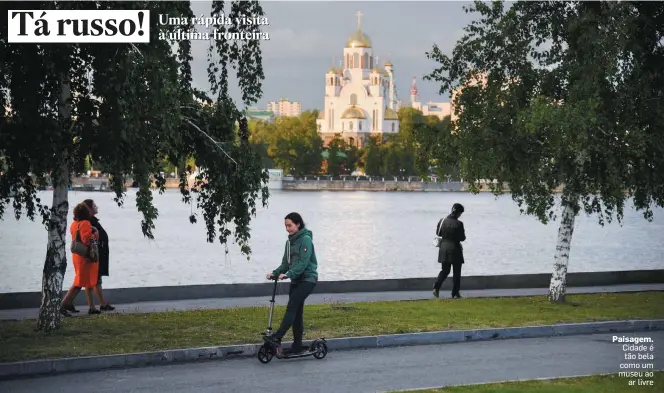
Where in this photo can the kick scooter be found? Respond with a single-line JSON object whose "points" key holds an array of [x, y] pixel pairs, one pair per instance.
{"points": [[318, 347]]}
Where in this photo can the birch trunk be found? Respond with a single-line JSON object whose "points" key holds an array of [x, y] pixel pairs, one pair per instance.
{"points": [[55, 263], [558, 283]]}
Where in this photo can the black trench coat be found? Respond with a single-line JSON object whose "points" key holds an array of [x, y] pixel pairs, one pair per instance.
{"points": [[103, 247], [452, 234]]}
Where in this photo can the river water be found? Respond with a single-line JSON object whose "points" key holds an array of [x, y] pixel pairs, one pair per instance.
{"points": [[358, 235]]}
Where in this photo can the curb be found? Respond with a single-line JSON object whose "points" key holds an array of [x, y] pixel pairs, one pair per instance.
{"points": [[497, 382], [143, 359]]}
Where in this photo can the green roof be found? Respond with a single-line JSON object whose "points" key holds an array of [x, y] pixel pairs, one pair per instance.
{"points": [[259, 113]]}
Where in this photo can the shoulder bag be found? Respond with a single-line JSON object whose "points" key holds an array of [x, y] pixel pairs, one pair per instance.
{"points": [[437, 239], [80, 248]]}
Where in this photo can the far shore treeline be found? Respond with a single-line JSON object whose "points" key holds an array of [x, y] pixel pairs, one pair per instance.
{"points": [[294, 145], [423, 147]]}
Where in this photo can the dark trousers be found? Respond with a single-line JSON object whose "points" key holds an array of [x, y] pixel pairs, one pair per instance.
{"points": [[294, 317], [456, 279]]}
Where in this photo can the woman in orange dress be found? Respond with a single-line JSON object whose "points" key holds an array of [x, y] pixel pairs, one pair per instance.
{"points": [[87, 271]]}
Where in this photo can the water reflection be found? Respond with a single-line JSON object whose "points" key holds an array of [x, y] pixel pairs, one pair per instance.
{"points": [[358, 235]]}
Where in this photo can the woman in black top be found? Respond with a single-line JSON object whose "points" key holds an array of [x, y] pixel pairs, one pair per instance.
{"points": [[450, 254], [103, 254]]}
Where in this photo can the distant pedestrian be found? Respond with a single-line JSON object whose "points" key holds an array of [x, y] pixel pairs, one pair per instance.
{"points": [[300, 265], [450, 252], [103, 254], [86, 269]]}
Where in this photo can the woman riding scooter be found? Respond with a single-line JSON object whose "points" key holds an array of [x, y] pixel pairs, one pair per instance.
{"points": [[299, 264]]}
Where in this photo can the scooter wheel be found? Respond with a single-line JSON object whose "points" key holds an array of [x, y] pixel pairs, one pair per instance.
{"points": [[319, 349], [264, 354]]}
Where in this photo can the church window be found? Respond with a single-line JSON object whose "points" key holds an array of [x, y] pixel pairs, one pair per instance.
{"points": [[365, 61], [343, 126], [392, 126], [347, 60], [350, 125], [371, 62], [332, 81], [353, 99], [356, 60], [359, 126]]}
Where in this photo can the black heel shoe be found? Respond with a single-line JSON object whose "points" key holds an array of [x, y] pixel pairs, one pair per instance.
{"points": [[93, 311], [106, 307]]}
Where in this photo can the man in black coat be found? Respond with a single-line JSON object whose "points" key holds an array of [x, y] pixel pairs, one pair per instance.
{"points": [[450, 253]]}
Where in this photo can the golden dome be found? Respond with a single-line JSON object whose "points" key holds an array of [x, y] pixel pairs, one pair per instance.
{"points": [[390, 114], [358, 40], [388, 64], [353, 113], [334, 70], [380, 70]]}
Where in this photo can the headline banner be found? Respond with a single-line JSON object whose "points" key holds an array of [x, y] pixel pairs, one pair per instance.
{"points": [[78, 26]]}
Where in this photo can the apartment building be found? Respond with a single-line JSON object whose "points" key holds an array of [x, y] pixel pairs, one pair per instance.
{"points": [[284, 107]]}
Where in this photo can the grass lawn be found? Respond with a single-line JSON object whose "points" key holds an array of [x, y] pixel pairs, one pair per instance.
{"points": [[594, 384], [125, 333]]}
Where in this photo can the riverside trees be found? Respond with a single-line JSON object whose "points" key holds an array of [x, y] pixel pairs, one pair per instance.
{"points": [[128, 106], [562, 94], [292, 144]]}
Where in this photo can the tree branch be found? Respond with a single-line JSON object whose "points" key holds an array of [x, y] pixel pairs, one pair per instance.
{"points": [[210, 138]]}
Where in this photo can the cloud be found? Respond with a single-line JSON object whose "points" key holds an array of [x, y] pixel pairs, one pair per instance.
{"points": [[287, 43]]}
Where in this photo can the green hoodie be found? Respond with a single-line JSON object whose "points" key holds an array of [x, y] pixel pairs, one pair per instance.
{"points": [[303, 265]]}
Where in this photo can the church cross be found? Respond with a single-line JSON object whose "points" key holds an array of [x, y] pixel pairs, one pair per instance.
{"points": [[359, 18]]}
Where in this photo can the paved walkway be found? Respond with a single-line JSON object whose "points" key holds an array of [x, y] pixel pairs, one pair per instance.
{"points": [[327, 298], [367, 371]]}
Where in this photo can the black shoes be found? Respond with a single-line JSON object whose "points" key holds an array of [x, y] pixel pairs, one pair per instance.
{"points": [[276, 342], [94, 311], [436, 293], [106, 307], [296, 349]]}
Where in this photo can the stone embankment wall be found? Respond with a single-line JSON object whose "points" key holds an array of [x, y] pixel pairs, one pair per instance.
{"points": [[309, 184], [505, 281]]}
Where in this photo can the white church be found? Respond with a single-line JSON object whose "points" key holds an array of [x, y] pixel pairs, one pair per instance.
{"points": [[360, 98]]}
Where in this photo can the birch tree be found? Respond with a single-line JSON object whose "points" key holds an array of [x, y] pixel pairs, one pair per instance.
{"points": [[128, 106], [562, 95]]}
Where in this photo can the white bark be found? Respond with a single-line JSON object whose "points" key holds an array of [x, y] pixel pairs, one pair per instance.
{"points": [[55, 263], [558, 283]]}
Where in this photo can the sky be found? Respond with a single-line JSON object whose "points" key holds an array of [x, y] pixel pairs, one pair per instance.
{"points": [[307, 36]]}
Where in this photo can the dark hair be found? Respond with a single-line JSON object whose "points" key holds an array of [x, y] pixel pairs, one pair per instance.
{"points": [[82, 212], [457, 208], [296, 218], [90, 203]]}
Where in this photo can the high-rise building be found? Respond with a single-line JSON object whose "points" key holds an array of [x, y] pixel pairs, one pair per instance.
{"points": [[284, 107]]}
